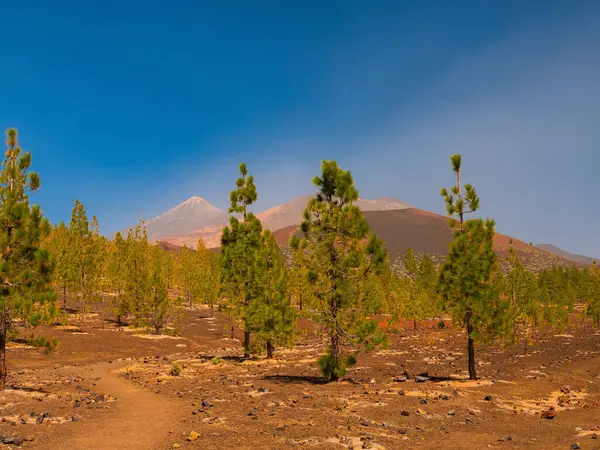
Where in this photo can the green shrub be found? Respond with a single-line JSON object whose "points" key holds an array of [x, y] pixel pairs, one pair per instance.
{"points": [[175, 370]]}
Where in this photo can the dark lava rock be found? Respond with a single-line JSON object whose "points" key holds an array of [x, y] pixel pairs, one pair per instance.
{"points": [[11, 440]]}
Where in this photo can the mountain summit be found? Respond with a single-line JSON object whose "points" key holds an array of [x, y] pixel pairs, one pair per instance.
{"points": [[190, 215]]}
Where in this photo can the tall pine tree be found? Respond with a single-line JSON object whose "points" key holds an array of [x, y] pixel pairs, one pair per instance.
{"points": [[26, 268], [469, 279], [239, 244], [339, 254], [270, 313]]}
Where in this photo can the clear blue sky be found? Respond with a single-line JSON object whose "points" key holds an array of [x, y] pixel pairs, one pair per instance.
{"points": [[133, 106]]}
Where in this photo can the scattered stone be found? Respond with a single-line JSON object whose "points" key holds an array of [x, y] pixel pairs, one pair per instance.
{"points": [[400, 379], [401, 392], [575, 446], [193, 436], [206, 404], [506, 438], [488, 398], [404, 413], [421, 412], [280, 427], [451, 412], [176, 446], [423, 401], [549, 413], [444, 397], [565, 389], [261, 389], [421, 379], [372, 381], [11, 440]]}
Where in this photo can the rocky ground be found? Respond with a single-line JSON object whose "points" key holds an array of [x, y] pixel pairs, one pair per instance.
{"points": [[113, 388]]}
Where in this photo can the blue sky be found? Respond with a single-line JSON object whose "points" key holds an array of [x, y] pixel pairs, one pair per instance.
{"points": [[133, 106]]}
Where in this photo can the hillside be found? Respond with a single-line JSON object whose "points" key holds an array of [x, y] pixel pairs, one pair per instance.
{"points": [[572, 256], [428, 233]]}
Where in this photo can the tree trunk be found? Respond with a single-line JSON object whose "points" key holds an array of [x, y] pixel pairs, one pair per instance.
{"points": [[65, 297], [232, 336], [2, 350], [335, 338], [471, 347], [300, 303], [103, 308], [415, 325], [246, 344], [269, 350]]}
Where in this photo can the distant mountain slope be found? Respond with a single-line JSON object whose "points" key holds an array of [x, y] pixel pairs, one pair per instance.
{"points": [[190, 215], [291, 213], [428, 233], [274, 219], [572, 256]]}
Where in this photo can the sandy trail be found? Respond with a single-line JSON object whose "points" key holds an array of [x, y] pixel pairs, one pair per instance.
{"points": [[139, 419]]}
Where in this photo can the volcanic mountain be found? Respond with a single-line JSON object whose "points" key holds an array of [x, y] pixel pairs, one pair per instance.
{"points": [[190, 215], [276, 218], [398, 224]]}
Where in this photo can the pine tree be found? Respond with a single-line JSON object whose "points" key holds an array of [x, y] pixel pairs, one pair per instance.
{"points": [[593, 297], [137, 289], [57, 243], [83, 261], [522, 292], [419, 288], [339, 253], [469, 279], [103, 254], [187, 275], [239, 243], [207, 275], [298, 286], [26, 268], [270, 314], [161, 309], [117, 275], [557, 296]]}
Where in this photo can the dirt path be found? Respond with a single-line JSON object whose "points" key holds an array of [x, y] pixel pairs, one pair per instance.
{"points": [[138, 420]]}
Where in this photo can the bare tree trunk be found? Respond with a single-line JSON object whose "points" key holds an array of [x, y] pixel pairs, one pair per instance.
{"points": [[471, 347], [335, 337], [65, 297], [3, 326], [232, 330], [269, 350], [415, 325], [246, 344]]}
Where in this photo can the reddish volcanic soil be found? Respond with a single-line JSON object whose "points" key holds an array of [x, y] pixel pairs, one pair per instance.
{"points": [[110, 388]]}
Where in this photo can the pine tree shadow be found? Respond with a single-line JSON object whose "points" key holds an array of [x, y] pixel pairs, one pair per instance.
{"points": [[296, 379], [230, 358]]}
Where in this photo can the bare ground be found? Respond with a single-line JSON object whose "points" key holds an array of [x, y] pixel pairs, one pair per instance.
{"points": [[111, 389]]}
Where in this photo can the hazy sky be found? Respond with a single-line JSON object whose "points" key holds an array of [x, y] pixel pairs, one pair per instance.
{"points": [[133, 106]]}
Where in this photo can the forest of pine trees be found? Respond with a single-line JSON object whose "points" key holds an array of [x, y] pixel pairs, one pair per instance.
{"points": [[339, 277]]}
